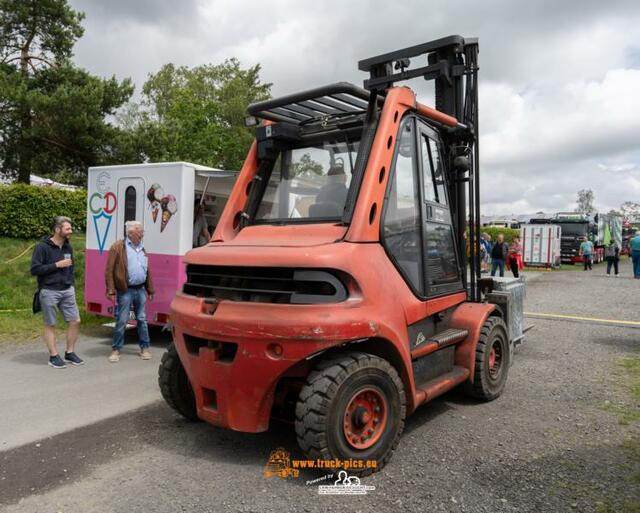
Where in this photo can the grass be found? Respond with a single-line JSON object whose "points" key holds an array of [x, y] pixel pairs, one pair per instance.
{"points": [[627, 414], [629, 372], [17, 323], [631, 413]]}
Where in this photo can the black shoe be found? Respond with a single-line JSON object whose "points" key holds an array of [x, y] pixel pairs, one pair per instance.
{"points": [[73, 359], [56, 362]]}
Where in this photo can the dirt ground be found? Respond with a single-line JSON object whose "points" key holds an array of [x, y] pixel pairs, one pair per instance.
{"points": [[555, 441]]}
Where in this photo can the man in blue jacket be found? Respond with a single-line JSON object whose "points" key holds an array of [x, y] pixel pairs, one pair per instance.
{"points": [[52, 263]]}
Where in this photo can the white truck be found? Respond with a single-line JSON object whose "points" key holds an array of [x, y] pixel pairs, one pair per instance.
{"points": [[541, 244], [162, 197]]}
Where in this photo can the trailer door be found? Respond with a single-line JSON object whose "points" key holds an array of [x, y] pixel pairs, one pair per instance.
{"points": [[131, 201]]}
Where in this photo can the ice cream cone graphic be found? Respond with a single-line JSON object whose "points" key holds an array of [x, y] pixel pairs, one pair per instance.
{"points": [[166, 216], [169, 207], [155, 195]]}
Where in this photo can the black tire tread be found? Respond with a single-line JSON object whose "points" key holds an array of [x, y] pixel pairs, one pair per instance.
{"points": [[175, 396], [478, 388], [320, 390]]}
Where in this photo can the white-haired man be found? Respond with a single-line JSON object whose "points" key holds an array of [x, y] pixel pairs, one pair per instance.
{"points": [[128, 284]]}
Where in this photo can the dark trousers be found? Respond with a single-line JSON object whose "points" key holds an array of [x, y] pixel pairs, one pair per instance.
{"points": [[497, 263], [587, 261], [612, 261], [635, 258], [513, 265]]}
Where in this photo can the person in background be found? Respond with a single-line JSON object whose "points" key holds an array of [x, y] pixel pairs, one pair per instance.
{"points": [[485, 252], [612, 256], [634, 244], [129, 283], [514, 252], [586, 252], [201, 234], [52, 263], [499, 254]]}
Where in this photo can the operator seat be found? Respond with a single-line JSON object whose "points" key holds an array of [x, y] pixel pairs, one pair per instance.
{"points": [[332, 197]]}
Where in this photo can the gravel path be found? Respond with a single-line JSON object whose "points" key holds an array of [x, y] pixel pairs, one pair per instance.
{"points": [[550, 444]]}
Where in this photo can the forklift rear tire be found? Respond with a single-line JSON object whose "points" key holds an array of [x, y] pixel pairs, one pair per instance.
{"points": [[174, 385], [352, 406], [492, 361]]}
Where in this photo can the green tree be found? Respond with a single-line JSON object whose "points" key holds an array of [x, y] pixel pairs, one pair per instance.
{"points": [[585, 202], [197, 114], [307, 166], [630, 210], [52, 114]]}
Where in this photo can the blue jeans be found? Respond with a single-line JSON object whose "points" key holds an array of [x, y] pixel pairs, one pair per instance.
{"points": [[137, 298], [635, 257], [497, 263]]}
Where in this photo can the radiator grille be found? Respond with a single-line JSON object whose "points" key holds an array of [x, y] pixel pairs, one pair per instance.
{"points": [[264, 284]]}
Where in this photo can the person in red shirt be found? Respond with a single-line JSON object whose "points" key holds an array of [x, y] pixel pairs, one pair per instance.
{"points": [[514, 252]]}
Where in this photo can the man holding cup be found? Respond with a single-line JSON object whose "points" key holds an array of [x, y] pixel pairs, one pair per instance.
{"points": [[52, 263]]}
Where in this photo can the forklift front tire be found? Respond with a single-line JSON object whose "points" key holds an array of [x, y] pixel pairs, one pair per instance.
{"points": [[492, 361], [174, 385], [352, 407]]}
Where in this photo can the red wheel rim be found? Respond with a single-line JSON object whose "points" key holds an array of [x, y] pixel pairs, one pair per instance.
{"points": [[495, 360], [365, 418]]}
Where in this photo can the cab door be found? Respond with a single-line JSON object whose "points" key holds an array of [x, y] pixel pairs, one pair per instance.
{"points": [[441, 270]]}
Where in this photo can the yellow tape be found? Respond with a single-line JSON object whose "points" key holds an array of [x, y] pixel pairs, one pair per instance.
{"points": [[579, 318], [16, 258]]}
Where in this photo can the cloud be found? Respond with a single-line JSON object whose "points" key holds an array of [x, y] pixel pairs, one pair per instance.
{"points": [[559, 140], [559, 80]]}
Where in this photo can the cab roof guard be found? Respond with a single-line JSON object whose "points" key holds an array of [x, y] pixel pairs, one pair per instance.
{"points": [[339, 99]]}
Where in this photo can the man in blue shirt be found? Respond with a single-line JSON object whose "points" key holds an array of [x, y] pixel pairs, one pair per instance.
{"points": [[128, 284], [634, 243], [586, 250]]}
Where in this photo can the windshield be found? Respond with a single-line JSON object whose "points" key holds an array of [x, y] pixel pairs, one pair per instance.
{"points": [[309, 182], [574, 229]]}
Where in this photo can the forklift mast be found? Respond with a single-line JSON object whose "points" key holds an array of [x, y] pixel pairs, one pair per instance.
{"points": [[452, 63]]}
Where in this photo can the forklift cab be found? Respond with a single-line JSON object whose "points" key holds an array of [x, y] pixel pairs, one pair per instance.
{"points": [[336, 289]]}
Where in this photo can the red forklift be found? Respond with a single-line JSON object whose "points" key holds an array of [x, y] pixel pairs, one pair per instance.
{"points": [[342, 284]]}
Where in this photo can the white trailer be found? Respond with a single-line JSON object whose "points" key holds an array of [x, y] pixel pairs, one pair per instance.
{"points": [[161, 196], [541, 245]]}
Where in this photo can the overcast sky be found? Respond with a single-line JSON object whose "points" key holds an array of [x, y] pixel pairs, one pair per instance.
{"points": [[559, 89]]}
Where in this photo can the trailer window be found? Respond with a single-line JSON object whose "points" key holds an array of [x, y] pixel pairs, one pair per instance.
{"points": [[401, 224]]}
